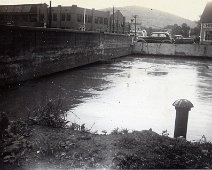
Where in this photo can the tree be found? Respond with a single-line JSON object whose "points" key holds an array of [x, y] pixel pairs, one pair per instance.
{"points": [[185, 30], [196, 30], [177, 30], [149, 30]]}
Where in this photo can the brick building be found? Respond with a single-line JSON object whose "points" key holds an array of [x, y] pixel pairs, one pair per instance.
{"points": [[24, 15], [66, 17], [118, 23], [73, 17], [206, 25]]}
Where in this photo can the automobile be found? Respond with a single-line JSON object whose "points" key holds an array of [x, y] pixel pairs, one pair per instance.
{"points": [[159, 37], [196, 39], [140, 39], [179, 39]]}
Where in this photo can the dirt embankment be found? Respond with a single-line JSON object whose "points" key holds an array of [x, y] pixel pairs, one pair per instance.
{"points": [[35, 146], [46, 140]]}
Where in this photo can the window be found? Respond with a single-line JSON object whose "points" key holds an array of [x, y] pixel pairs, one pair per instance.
{"points": [[96, 20], [1, 17], [25, 18], [68, 17], [54, 18], [63, 17], [17, 18], [154, 35], [100, 20], [162, 35], [79, 17], [89, 19], [208, 35], [105, 21], [32, 18], [41, 17]]}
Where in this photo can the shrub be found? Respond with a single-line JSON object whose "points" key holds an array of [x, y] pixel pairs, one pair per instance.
{"points": [[115, 131], [124, 131], [51, 115]]}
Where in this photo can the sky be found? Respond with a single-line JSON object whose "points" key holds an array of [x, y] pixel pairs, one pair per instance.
{"points": [[189, 9]]}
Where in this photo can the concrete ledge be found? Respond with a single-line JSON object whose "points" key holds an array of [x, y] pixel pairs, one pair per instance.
{"points": [[194, 50], [27, 52]]}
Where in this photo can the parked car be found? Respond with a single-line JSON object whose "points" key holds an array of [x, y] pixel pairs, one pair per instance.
{"points": [[159, 37], [196, 39], [140, 39], [179, 39]]}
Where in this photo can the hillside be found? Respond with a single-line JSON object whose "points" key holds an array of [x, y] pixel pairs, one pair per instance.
{"points": [[152, 17]]}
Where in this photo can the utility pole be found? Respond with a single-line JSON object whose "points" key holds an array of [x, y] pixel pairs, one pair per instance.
{"points": [[113, 20], [135, 16], [117, 22], [50, 14], [123, 25], [131, 26], [84, 19]]}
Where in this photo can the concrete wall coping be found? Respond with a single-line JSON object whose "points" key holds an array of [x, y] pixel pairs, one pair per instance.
{"points": [[59, 30]]}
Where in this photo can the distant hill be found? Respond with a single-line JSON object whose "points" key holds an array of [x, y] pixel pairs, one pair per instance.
{"points": [[152, 17]]}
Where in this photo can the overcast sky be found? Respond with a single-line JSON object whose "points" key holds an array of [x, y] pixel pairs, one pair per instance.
{"points": [[190, 9]]}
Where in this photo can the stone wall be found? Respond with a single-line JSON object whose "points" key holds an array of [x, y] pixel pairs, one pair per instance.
{"points": [[194, 50], [26, 53]]}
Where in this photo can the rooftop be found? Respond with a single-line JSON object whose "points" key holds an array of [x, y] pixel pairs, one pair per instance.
{"points": [[207, 13], [17, 8]]}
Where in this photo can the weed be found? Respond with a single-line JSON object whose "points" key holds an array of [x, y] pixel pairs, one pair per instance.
{"points": [[124, 131], [165, 133], [115, 131], [124, 161], [51, 115], [104, 132]]}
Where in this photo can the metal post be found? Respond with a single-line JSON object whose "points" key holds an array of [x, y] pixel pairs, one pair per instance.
{"points": [[182, 107], [113, 20], [117, 22], [135, 26], [135, 16], [93, 19], [60, 15], [50, 14], [131, 26], [84, 19], [123, 25]]}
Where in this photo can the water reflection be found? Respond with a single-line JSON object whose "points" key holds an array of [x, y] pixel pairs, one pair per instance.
{"points": [[135, 93]]}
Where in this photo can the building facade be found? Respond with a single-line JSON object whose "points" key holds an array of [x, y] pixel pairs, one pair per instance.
{"points": [[73, 17], [65, 17], [118, 23], [34, 15], [206, 25], [138, 28]]}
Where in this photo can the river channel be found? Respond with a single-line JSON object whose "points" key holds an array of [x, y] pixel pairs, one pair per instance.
{"points": [[132, 92]]}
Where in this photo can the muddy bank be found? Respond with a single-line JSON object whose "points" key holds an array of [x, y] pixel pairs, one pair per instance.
{"points": [[29, 146]]}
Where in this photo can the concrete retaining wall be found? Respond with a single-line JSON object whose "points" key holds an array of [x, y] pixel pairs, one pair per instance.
{"points": [[26, 53], [173, 49]]}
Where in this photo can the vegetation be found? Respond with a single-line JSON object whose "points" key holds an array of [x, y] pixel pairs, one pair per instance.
{"points": [[47, 141], [51, 115], [184, 29], [149, 150]]}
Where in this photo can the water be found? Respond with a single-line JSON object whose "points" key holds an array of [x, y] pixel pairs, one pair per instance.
{"points": [[136, 93]]}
